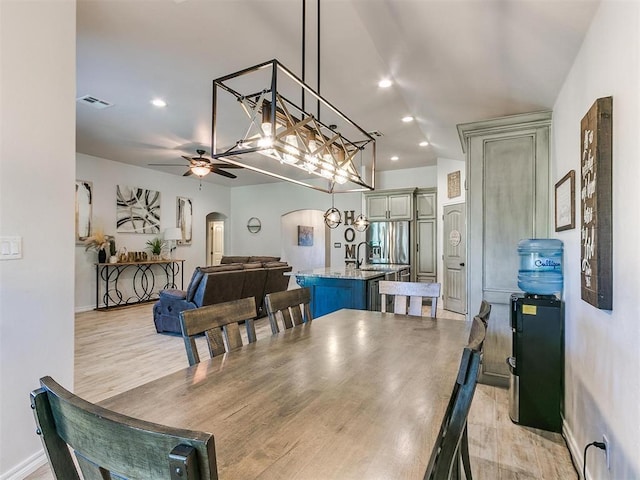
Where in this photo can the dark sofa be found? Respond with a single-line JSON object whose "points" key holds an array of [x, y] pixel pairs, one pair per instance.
{"points": [[235, 278]]}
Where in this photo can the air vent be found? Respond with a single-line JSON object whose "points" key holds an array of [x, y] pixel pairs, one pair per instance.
{"points": [[94, 102], [375, 133]]}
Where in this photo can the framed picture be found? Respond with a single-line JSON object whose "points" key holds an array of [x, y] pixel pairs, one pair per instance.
{"points": [[305, 236], [596, 232], [84, 210], [137, 210], [184, 218], [565, 202], [453, 184]]}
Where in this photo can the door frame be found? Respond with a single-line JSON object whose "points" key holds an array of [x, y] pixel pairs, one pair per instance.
{"points": [[209, 219]]}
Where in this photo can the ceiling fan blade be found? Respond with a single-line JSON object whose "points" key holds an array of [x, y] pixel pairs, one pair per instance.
{"points": [[196, 159], [187, 173], [223, 173], [165, 164], [225, 165]]}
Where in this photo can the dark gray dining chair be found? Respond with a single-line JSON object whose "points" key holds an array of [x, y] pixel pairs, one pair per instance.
{"points": [[220, 324], [451, 444], [291, 306], [108, 445], [485, 312], [477, 334]]}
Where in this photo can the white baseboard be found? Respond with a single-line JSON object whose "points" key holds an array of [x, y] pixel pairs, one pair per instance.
{"points": [[30, 465], [574, 449], [86, 308]]}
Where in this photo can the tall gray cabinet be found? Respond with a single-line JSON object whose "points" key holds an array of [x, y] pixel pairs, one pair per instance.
{"points": [[507, 200], [425, 256]]}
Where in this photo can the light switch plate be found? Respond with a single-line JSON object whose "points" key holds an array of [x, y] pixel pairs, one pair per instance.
{"points": [[10, 247]]}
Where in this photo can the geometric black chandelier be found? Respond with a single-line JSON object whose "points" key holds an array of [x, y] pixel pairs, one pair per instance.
{"points": [[257, 125]]}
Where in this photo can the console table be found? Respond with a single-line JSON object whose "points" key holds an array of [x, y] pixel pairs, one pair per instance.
{"points": [[143, 285]]}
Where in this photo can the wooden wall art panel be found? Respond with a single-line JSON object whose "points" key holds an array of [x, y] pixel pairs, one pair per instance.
{"points": [[596, 205]]}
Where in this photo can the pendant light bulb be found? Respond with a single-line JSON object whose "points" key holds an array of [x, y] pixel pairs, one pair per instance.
{"points": [[361, 223]]}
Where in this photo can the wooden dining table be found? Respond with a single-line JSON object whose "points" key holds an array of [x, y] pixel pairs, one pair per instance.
{"points": [[351, 395]]}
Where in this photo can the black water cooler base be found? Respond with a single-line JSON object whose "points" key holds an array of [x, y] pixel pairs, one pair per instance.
{"points": [[537, 363]]}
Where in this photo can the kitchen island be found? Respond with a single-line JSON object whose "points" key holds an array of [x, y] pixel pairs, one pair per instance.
{"points": [[347, 287]]}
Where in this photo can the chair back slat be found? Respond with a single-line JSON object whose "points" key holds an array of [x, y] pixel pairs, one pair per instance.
{"points": [[232, 334], [220, 325], [108, 444], [291, 306], [215, 341], [286, 317], [408, 296]]}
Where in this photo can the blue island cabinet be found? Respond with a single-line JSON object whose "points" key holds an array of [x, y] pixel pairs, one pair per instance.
{"points": [[331, 294]]}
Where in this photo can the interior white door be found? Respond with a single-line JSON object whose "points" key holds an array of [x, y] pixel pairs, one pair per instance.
{"points": [[455, 258], [215, 244]]}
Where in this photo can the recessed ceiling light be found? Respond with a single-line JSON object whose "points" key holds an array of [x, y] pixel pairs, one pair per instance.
{"points": [[395, 158], [158, 102], [407, 119], [385, 83], [424, 143]]}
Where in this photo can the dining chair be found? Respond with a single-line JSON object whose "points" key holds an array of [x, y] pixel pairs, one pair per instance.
{"points": [[485, 312], [109, 445], [452, 446], [291, 306], [477, 334], [220, 324], [413, 292]]}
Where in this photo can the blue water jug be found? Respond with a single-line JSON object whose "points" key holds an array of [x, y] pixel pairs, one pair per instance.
{"points": [[540, 266]]}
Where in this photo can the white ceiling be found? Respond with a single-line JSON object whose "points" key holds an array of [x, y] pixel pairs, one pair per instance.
{"points": [[452, 61]]}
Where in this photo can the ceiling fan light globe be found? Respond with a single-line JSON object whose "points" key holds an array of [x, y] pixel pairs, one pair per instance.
{"points": [[200, 170]]}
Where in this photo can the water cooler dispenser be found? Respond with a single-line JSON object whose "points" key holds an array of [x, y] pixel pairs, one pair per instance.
{"points": [[537, 324]]}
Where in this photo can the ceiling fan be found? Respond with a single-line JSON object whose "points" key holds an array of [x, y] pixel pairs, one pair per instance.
{"points": [[201, 166]]}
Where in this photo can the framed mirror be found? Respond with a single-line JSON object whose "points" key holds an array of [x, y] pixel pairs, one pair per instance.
{"points": [[84, 210]]}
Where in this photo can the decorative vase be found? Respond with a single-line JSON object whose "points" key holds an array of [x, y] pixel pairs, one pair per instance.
{"points": [[102, 256]]}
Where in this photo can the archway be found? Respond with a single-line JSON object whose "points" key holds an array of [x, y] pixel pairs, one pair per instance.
{"points": [[304, 240]]}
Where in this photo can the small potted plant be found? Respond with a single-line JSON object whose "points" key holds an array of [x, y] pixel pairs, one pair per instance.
{"points": [[155, 246]]}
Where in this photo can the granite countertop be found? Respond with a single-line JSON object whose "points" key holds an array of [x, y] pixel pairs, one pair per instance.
{"points": [[366, 272]]}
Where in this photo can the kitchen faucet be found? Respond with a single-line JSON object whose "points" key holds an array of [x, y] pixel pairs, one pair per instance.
{"points": [[358, 262]]}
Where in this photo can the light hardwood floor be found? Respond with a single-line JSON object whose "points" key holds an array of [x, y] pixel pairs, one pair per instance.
{"points": [[120, 349]]}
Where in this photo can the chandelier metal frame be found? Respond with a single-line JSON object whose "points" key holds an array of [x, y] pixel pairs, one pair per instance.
{"points": [[304, 150]]}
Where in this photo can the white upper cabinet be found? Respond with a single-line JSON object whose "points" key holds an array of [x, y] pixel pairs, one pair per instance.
{"points": [[426, 204]]}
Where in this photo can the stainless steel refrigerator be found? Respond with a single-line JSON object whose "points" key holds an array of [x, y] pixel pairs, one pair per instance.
{"points": [[388, 242]]}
